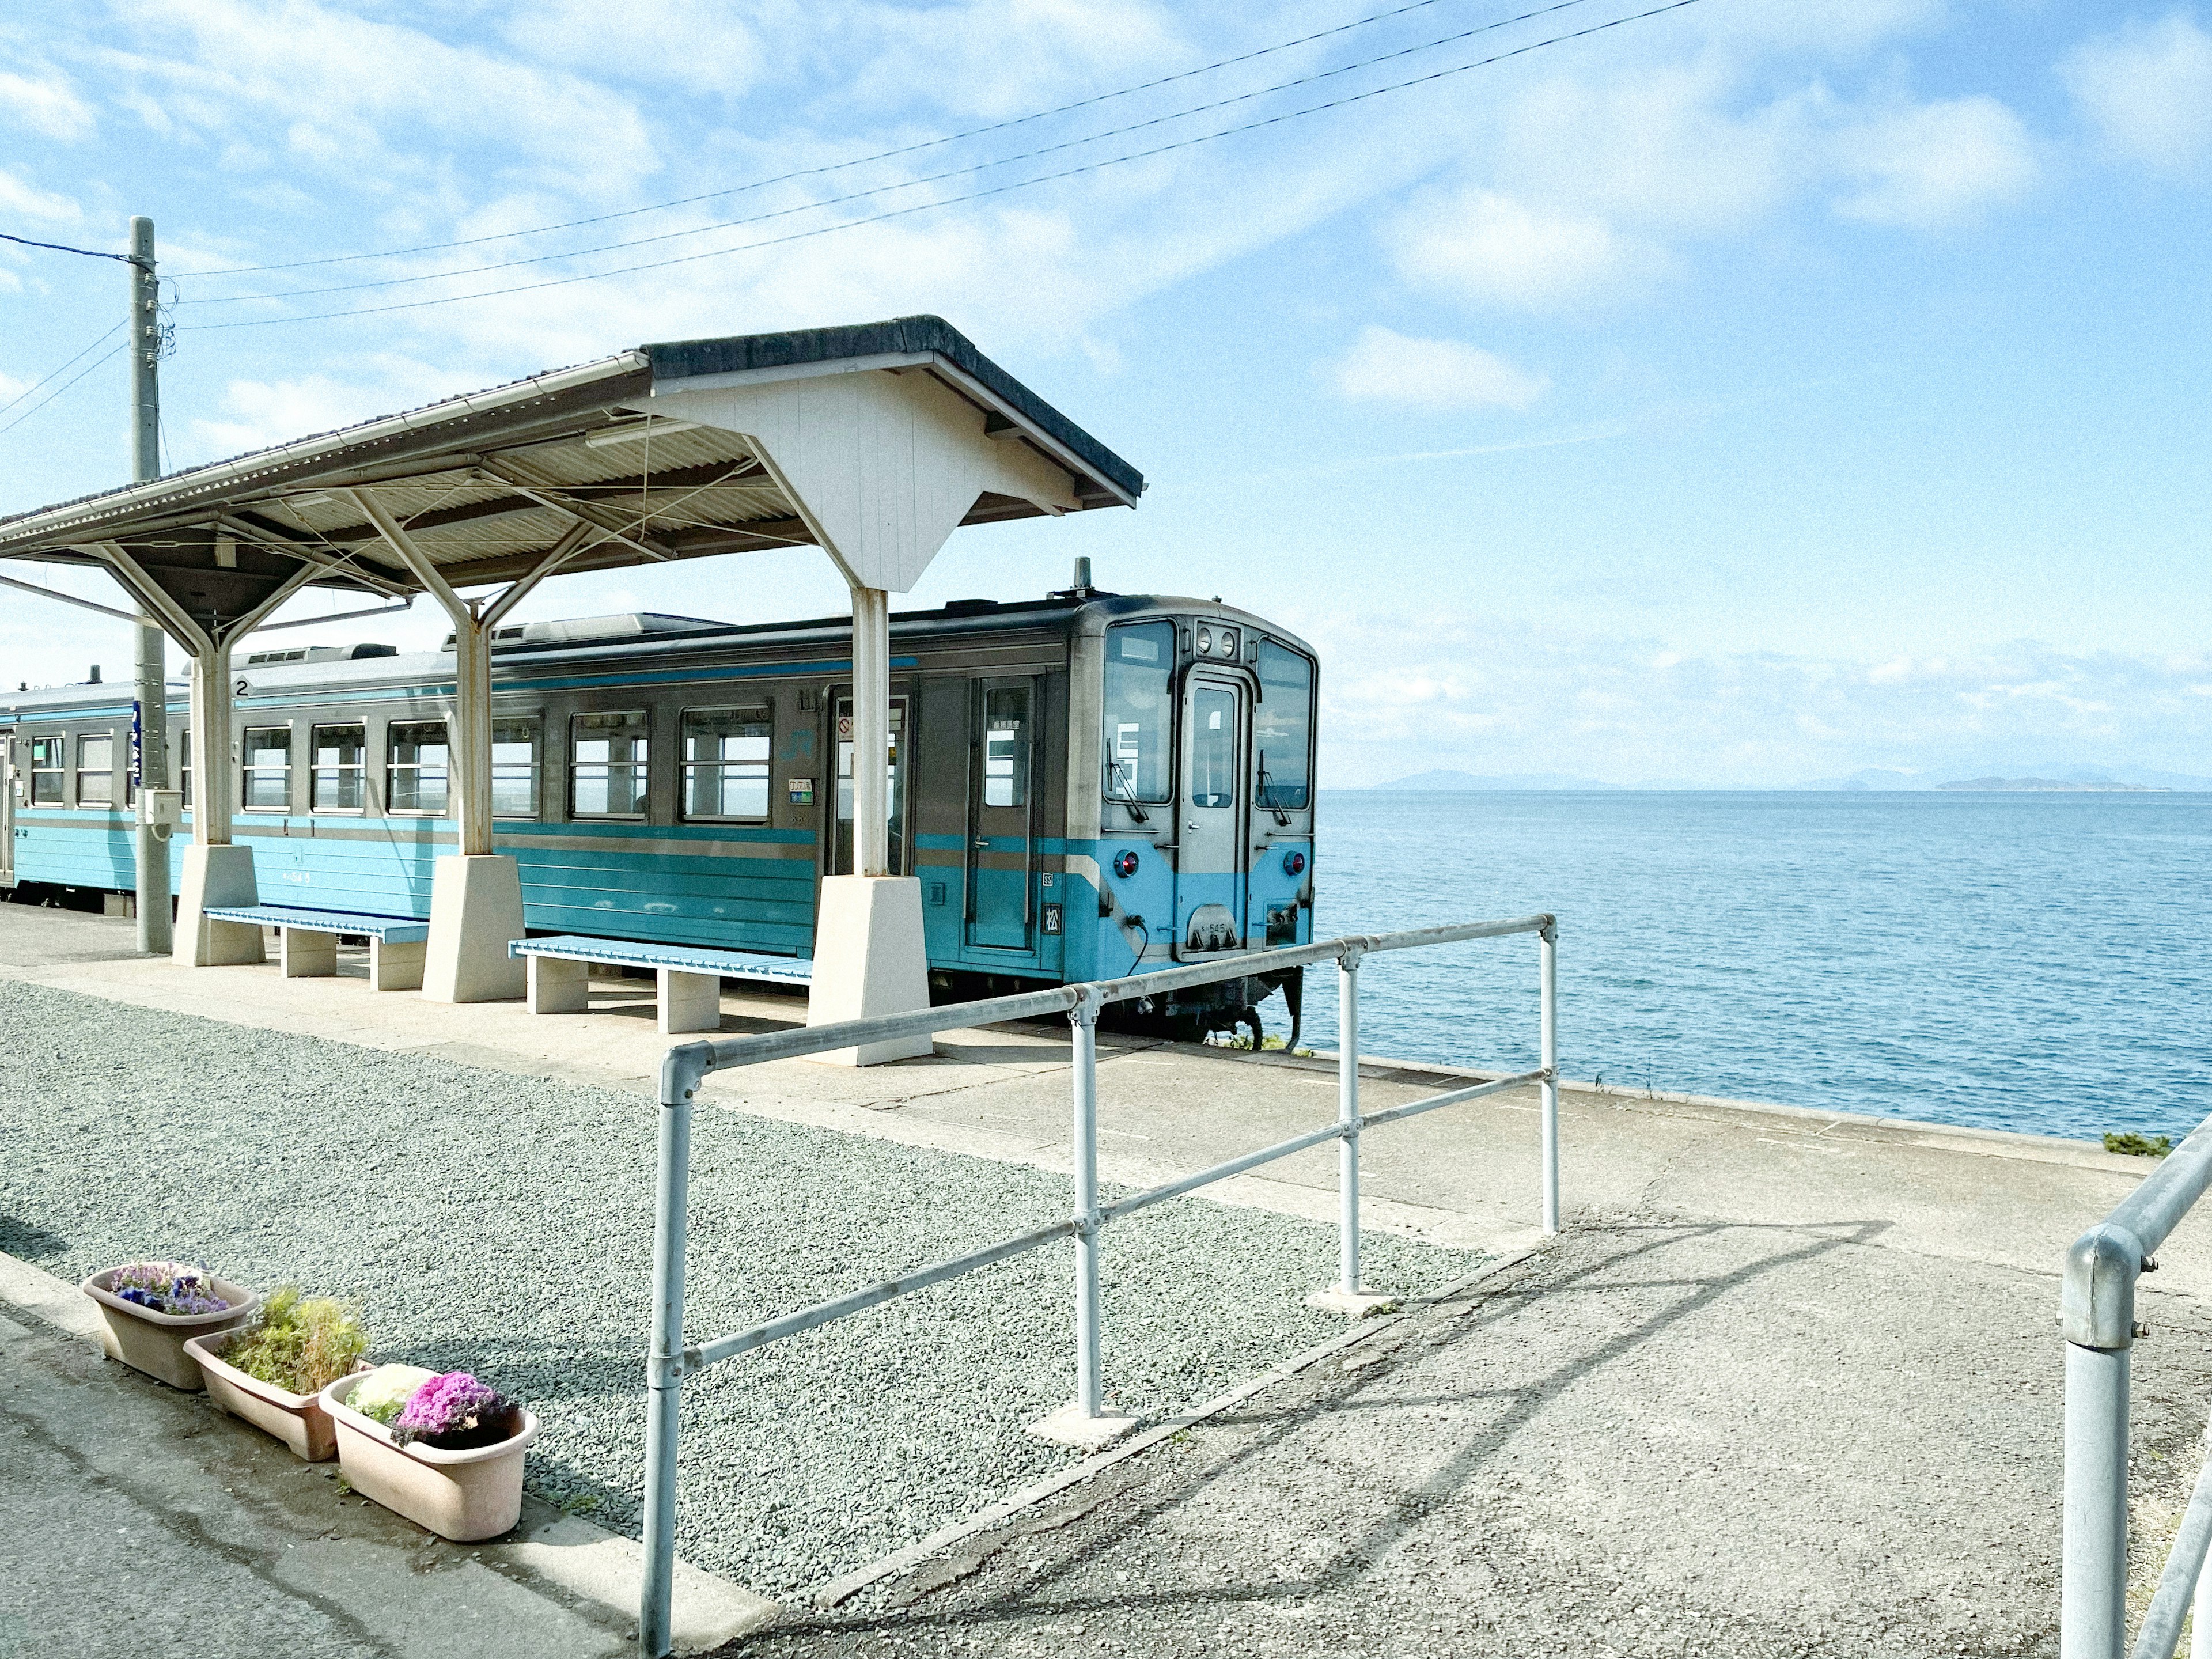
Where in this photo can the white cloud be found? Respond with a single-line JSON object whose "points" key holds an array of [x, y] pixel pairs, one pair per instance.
{"points": [[1386, 366], [995, 59], [265, 412], [18, 197], [1936, 164], [2148, 91], [1487, 246], [701, 46], [45, 105]]}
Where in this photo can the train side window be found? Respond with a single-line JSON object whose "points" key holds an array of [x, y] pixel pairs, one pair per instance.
{"points": [[185, 765], [46, 770], [268, 768], [1140, 710], [416, 768], [1213, 747], [95, 771], [340, 755], [607, 765], [1006, 746], [514, 768], [725, 760], [1282, 726]]}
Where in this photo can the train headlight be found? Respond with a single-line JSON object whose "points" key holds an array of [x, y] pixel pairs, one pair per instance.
{"points": [[1205, 641], [1294, 861], [1229, 642], [1125, 865]]}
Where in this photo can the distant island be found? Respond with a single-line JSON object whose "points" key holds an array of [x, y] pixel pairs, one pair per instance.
{"points": [[2015, 785], [1459, 782]]}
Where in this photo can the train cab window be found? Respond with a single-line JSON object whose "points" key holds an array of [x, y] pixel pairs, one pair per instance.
{"points": [[1213, 747], [416, 768], [1006, 746], [607, 765], [95, 771], [46, 770], [1140, 710], [1282, 727], [340, 755], [268, 768], [514, 768], [726, 759]]}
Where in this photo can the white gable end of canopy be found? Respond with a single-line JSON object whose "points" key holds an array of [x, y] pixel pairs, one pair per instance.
{"points": [[883, 464]]}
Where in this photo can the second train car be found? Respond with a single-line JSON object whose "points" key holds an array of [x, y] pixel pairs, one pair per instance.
{"points": [[1086, 786]]}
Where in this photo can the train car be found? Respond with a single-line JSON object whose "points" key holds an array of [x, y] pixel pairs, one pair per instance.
{"points": [[1087, 786]]}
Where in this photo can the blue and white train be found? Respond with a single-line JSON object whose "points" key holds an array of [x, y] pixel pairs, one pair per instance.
{"points": [[1086, 786]]}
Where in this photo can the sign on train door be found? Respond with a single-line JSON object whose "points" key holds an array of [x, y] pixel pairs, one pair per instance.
{"points": [[1210, 860], [1001, 816]]}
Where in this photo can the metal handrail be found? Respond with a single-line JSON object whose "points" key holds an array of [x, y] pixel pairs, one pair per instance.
{"points": [[686, 1065], [2097, 1317]]}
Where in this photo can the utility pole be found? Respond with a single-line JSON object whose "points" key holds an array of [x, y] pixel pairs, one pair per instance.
{"points": [[150, 733]]}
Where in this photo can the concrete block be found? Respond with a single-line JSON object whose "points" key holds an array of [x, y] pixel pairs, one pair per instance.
{"points": [[1068, 1426], [557, 986], [476, 912], [688, 1002], [221, 877], [869, 959], [305, 954], [396, 967], [1354, 1305]]}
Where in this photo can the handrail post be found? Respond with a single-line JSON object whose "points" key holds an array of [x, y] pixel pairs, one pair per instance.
{"points": [[1088, 1395], [1348, 1118], [2094, 1549], [681, 1069], [1547, 974]]}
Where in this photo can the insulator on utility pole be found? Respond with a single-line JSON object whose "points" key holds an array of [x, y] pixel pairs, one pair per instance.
{"points": [[150, 745]]}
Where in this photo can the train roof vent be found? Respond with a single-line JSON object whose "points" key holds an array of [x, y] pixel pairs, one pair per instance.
{"points": [[630, 625], [968, 607], [320, 653]]}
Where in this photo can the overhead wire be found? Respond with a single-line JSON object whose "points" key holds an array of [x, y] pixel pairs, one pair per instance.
{"points": [[954, 201], [839, 166], [904, 184], [64, 247], [63, 386], [51, 372]]}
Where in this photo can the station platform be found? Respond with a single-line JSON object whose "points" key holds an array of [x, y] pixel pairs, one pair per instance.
{"points": [[1789, 1382]]}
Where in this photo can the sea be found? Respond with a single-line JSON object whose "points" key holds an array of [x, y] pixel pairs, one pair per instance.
{"points": [[2033, 961]]}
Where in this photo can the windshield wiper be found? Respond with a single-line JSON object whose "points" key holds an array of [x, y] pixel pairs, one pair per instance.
{"points": [[1128, 799], [1267, 794]]}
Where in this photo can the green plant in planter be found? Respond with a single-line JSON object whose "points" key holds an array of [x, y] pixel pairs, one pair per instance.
{"points": [[302, 1345], [383, 1393]]}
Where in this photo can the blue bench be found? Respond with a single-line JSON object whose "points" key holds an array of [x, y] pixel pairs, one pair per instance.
{"points": [[687, 978], [308, 945]]}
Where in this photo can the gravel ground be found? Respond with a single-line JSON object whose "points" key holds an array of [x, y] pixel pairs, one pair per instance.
{"points": [[502, 1224]]}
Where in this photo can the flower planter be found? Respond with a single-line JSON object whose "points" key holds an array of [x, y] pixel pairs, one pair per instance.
{"points": [[155, 1342], [297, 1419], [461, 1495]]}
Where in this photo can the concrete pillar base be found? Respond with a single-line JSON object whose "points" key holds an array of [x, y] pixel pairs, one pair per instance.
{"points": [[476, 910], [869, 959], [221, 877], [307, 954], [1354, 1305], [1068, 1426]]}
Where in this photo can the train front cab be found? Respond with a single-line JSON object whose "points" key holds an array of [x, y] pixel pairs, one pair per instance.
{"points": [[1198, 792]]}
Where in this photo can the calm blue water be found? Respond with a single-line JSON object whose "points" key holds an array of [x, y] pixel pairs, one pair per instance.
{"points": [[2031, 962]]}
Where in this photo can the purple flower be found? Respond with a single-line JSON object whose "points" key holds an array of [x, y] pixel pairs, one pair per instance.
{"points": [[452, 1411], [167, 1287]]}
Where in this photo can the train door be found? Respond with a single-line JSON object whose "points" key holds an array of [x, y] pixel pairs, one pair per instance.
{"points": [[1001, 816], [841, 854], [1210, 859], [7, 808]]}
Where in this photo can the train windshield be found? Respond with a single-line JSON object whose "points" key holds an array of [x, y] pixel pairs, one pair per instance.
{"points": [[1139, 712], [1282, 726]]}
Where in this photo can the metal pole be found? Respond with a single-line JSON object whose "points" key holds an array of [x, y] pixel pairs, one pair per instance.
{"points": [[2093, 1552], [1547, 971], [1089, 1396], [2200, 1607], [1347, 1115], [665, 1363], [151, 748], [872, 730]]}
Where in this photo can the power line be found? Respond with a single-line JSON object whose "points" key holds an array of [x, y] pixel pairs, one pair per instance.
{"points": [[49, 373], [904, 184], [839, 166], [64, 247], [954, 201], [64, 385]]}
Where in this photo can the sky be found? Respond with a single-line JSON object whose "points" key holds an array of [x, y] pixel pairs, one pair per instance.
{"points": [[1755, 391]]}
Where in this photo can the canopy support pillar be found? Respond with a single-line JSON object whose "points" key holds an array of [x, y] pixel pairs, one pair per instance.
{"points": [[475, 892], [217, 872]]}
